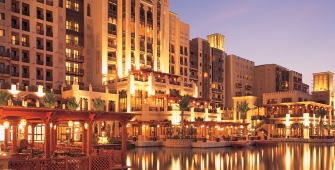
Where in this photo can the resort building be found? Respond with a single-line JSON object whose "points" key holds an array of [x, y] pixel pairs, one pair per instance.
{"points": [[271, 78]]}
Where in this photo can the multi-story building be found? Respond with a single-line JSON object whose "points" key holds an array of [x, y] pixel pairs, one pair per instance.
{"points": [[271, 78], [238, 78], [323, 89]]}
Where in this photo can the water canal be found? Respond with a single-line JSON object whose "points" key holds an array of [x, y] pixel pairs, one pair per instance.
{"points": [[285, 156]]}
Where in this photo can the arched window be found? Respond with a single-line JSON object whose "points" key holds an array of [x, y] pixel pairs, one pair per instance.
{"points": [[88, 10]]}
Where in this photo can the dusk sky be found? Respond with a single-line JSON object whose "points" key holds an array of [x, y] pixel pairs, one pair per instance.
{"points": [[298, 35]]}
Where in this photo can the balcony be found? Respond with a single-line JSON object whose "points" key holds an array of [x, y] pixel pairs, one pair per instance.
{"points": [[15, 42], [238, 93], [49, 34], [15, 74], [39, 62], [16, 10], [174, 82], [48, 2], [75, 71], [111, 45], [25, 59], [112, 58], [41, 17], [15, 58], [25, 44], [25, 12], [4, 71], [248, 87], [112, 72], [49, 49], [238, 85], [5, 54], [48, 78], [113, 32], [41, 32], [74, 57], [50, 19], [40, 47], [25, 75], [73, 43], [216, 90], [49, 64], [39, 77]]}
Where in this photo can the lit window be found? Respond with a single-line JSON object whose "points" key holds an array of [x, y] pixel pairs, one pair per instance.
{"points": [[67, 79], [2, 16], [76, 6], [68, 52], [75, 53], [76, 40], [68, 38], [76, 27], [39, 132], [2, 33], [68, 25], [68, 4], [75, 79]]}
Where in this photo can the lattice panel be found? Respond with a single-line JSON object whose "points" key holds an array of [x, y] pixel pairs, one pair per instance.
{"points": [[99, 163], [22, 165], [78, 163], [117, 158], [54, 164]]}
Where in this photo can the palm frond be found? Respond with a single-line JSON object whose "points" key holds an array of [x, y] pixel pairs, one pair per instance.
{"points": [[98, 104], [72, 103], [4, 96], [49, 100], [184, 102]]}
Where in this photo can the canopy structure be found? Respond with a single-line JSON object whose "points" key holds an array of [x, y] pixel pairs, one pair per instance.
{"points": [[50, 117]]}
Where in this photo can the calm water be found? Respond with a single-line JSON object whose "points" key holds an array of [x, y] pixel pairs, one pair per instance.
{"points": [[285, 156]]}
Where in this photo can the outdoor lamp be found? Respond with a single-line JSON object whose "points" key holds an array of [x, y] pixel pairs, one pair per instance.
{"points": [[23, 122], [50, 124], [85, 125], [70, 123], [6, 124]]}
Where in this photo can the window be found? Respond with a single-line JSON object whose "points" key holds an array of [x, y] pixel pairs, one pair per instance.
{"points": [[39, 132], [3, 1], [76, 27], [76, 6], [67, 79], [68, 25], [2, 33], [2, 16], [68, 4], [68, 39], [60, 4], [76, 40], [68, 52], [75, 79], [88, 10]]}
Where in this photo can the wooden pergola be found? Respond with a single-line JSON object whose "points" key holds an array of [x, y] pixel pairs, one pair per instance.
{"points": [[50, 117]]}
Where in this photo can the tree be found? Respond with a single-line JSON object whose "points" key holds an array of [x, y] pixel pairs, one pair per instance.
{"points": [[183, 105], [4, 96], [243, 108], [72, 103], [321, 113], [98, 104], [49, 100]]}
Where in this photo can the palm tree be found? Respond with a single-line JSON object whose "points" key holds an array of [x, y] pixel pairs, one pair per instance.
{"points": [[183, 105], [321, 113], [49, 100], [301, 127], [72, 103], [243, 108], [98, 104], [4, 96]]}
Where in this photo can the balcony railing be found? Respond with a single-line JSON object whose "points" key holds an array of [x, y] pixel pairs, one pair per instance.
{"points": [[40, 17], [15, 42], [15, 74], [239, 85], [48, 78], [16, 10], [75, 57], [25, 59], [25, 12], [25, 28], [40, 47], [39, 62], [25, 75], [112, 58], [49, 63], [248, 87], [48, 2], [15, 58], [76, 71], [5, 54], [41, 32], [49, 34], [39, 77], [49, 49], [50, 19], [25, 44], [4, 71]]}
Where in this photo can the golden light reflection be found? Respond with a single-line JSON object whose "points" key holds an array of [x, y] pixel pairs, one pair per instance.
{"points": [[288, 158], [306, 157]]}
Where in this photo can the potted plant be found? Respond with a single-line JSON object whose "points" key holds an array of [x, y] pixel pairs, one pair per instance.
{"points": [[49, 100], [72, 103], [98, 104], [4, 96]]}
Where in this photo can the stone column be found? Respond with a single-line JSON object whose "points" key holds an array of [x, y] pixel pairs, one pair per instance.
{"points": [[46, 138], [26, 132], [124, 141], [89, 138], [32, 135], [5, 144], [83, 137]]}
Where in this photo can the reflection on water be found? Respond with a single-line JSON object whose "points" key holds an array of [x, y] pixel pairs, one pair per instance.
{"points": [[294, 156]]}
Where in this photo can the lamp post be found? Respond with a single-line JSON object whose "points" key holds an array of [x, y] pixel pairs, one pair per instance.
{"points": [[13, 91]]}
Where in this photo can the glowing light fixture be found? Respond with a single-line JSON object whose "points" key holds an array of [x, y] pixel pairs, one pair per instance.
{"points": [[39, 92], [6, 124], [13, 90], [70, 123], [23, 122], [86, 125]]}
